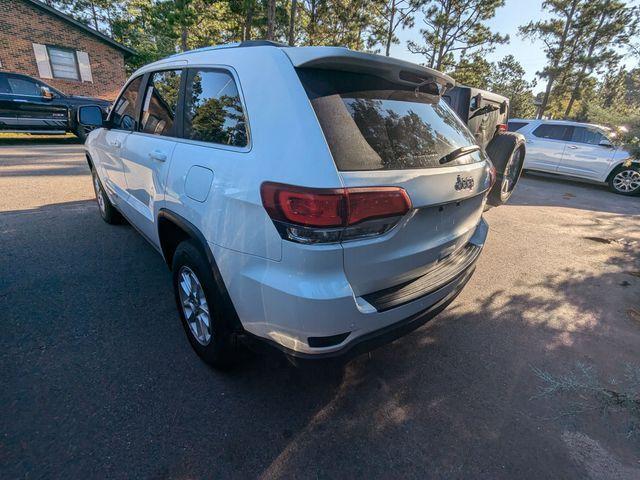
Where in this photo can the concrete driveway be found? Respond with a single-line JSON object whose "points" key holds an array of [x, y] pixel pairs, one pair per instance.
{"points": [[533, 372]]}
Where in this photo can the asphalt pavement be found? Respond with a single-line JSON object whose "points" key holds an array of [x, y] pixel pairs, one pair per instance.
{"points": [[533, 372]]}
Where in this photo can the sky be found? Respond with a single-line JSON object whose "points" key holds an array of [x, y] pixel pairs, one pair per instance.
{"points": [[508, 18]]}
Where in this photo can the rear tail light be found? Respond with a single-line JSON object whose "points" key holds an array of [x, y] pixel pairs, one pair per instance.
{"points": [[492, 174], [318, 215], [502, 127]]}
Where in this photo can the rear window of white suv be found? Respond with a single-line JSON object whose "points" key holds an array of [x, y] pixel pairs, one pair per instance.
{"points": [[373, 124]]}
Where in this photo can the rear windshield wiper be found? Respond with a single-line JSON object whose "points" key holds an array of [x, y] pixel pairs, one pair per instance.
{"points": [[459, 152]]}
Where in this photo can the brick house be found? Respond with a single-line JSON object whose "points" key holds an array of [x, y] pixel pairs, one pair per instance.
{"points": [[40, 41]]}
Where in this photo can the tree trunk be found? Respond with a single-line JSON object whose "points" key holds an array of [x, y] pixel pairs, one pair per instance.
{"points": [[390, 29], [443, 39], [581, 76], [292, 23], [556, 61], [184, 35], [95, 16], [248, 21], [313, 19], [271, 19]]}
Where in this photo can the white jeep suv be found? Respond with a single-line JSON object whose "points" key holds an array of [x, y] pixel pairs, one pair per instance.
{"points": [[317, 199]]}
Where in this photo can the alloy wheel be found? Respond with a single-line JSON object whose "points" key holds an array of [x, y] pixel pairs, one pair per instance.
{"points": [[194, 305], [99, 194], [627, 181], [510, 175]]}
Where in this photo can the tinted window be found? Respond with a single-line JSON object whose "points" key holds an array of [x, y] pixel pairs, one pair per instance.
{"points": [[515, 126], [63, 63], [124, 110], [160, 103], [553, 132], [24, 86], [4, 84], [373, 124], [589, 135], [213, 110]]}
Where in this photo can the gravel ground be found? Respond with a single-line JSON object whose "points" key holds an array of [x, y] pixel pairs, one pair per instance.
{"points": [[533, 372]]}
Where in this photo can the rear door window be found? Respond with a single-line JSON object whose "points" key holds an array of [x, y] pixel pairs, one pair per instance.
{"points": [[213, 110], [515, 126], [124, 110], [589, 135], [553, 132], [161, 103], [373, 124]]}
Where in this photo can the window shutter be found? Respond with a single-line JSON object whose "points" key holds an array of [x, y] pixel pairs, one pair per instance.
{"points": [[42, 60], [85, 66]]}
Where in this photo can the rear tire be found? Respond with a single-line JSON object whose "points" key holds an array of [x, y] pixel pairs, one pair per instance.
{"points": [[201, 307], [506, 152], [107, 211], [625, 180]]}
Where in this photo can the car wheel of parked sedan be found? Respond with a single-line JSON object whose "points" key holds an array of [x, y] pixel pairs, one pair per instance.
{"points": [[625, 180], [200, 305], [107, 211], [506, 151]]}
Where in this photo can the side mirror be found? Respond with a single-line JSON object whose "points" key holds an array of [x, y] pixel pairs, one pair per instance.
{"points": [[605, 143], [90, 116], [46, 93]]}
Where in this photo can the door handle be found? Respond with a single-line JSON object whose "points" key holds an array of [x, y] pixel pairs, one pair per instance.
{"points": [[572, 147], [158, 156], [115, 143], [529, 141]]}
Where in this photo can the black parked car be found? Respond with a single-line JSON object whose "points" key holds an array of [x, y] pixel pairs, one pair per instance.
{"points": [[29, 105]]}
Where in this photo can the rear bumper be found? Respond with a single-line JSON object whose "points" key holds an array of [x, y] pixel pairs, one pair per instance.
{"points": [[367, 342], [306, 308]]}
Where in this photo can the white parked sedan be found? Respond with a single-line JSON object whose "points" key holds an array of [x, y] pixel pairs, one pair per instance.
{"points": [[579, 150]]}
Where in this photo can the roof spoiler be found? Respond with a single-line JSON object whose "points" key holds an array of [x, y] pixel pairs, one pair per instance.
{"points": [[392, 69]]}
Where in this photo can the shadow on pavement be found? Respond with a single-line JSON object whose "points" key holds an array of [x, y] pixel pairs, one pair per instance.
{"points": [[99, 380], [536, 189]]}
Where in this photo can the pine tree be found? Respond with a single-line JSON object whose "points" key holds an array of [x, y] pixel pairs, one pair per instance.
{"points": [[454, 26]]}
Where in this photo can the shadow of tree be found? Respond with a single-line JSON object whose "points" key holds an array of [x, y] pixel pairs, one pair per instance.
{"points": [[100, 381]]}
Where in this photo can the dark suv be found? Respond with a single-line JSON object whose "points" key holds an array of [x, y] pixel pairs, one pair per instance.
{"points": [[31, 106]]}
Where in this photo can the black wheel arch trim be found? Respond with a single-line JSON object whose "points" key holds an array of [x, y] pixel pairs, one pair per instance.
{"points": [[192, 231], [617, 166]]}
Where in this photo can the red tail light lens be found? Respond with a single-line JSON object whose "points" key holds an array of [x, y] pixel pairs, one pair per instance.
{"points": [[493, 174], [312, 215], [379, 202], [502, 127]]}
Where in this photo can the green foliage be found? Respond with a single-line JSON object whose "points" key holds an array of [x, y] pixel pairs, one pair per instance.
{"points": [[507, 78], [453, 27], [616, 104], [580, 38], [473, 71]]}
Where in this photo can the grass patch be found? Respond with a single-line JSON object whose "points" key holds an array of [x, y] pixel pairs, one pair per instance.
{"points": [[587, 392]]}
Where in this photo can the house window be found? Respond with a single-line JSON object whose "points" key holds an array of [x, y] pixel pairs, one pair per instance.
{"points": [[63, 63]]}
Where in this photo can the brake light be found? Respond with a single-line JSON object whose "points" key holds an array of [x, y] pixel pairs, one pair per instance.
{"points": [[493, 174], [502, 127], [313, 215]]}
